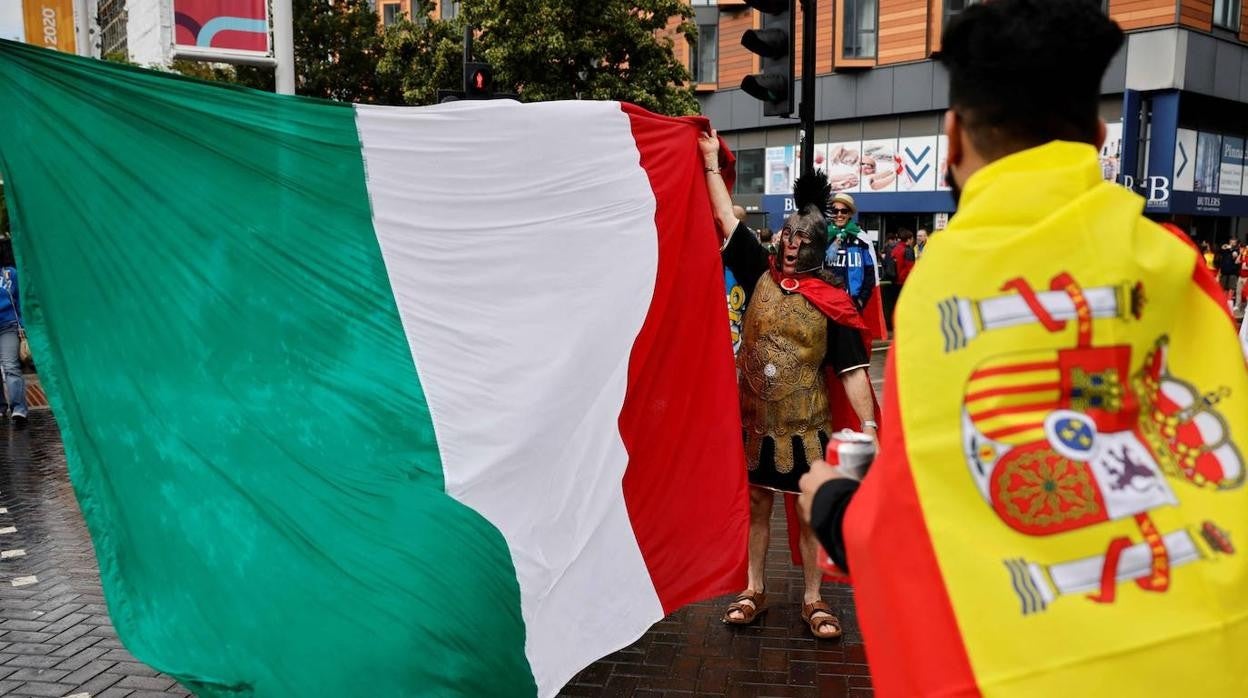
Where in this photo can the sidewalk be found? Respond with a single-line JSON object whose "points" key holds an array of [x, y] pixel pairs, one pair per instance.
{"points": [[56, 638]]}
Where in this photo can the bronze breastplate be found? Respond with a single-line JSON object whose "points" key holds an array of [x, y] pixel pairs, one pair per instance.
{"points": [[783, 394]]}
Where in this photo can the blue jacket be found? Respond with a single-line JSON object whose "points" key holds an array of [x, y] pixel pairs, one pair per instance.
{"points": [[853, 266], [10, 301]]}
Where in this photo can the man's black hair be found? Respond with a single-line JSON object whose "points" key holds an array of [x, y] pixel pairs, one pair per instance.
{"points": [[1026, 72]]}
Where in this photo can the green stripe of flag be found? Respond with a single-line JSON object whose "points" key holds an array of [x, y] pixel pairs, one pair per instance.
{"points": [[243, 421]]}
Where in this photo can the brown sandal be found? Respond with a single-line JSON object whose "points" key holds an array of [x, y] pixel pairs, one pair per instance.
{"points": [[819, 624], [750, 604]]}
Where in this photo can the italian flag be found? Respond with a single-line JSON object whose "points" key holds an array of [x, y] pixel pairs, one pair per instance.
{"points": [[402, 401]]}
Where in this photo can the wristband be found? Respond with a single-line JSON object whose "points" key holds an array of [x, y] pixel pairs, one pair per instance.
{"points": [[870, 423], [711, 170]]}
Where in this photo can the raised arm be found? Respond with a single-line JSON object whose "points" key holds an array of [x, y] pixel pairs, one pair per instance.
{"points": [[721, 198]]}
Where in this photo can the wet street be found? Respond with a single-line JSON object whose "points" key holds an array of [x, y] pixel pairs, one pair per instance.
{"points": [[56, 638]]}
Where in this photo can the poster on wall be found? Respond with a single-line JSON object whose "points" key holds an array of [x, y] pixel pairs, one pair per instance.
{"points": [[1208, 162], [49, 23], [1111, 152], [780, 169], [844, 162], [221, 28], [942, 154], [1185, 160], [880, 165], [1231, 173], [917, 164]]}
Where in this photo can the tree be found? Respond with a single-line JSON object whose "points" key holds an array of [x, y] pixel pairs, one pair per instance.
{"points": [[420, 57], [586, 49], [337, 48]]}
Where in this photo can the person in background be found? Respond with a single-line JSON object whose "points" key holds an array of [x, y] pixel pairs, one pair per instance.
{"points": [[920, 242], [11, 337], [849, 256], [897, 266], [1207, 252], [1228, 269], [1240, 301]]}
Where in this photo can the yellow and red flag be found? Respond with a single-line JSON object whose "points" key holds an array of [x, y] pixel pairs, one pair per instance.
{"points": [[1059, 504]]}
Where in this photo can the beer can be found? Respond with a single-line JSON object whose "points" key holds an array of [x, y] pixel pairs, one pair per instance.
{"points": [[851, 452]]}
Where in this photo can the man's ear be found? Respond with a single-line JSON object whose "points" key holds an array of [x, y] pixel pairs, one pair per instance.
{"points": [[953, 129], [1101, 133]]}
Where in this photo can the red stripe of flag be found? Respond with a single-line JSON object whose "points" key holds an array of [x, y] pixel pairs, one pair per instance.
{"points": [[908, 624], [685, 487], [1013, 390]]}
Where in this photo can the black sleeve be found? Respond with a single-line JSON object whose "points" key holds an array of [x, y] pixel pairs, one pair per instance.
{"points": [[746, 257], [846, 350], [827, 517]]}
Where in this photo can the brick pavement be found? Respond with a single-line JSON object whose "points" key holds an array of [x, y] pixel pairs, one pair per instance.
{"points": [[56, 638]]}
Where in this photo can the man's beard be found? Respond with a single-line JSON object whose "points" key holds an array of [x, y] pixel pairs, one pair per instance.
{"points": [[954, 188]]}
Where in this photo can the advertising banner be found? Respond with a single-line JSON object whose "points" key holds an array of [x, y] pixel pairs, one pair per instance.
{"points": [[1208, 162], [880, 165], [49, 23], [1231, 174], [221, 28], [844, 161], [1111, 152], [780, 168]]}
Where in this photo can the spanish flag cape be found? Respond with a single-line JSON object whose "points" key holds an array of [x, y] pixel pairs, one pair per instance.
{"points": [[1070, 390]]}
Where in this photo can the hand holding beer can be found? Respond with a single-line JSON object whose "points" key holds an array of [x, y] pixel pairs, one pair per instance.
{"points": [[851, 452]]}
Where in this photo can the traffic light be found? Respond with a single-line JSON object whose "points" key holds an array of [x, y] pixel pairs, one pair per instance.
{"points": [[773, 42], [478, 81]]}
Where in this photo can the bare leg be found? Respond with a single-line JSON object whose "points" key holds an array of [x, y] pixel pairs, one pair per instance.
{"points": [[761, 502], [811, 574], [822, 621]]}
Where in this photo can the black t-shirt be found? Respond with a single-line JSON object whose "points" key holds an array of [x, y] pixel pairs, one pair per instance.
{"points": [[748, 260]]}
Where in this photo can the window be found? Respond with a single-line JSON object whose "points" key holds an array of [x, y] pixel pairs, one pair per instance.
{"points": [[450, 9], [704, 3], [1226, 14], [390, 13], [859, 37], [704, 54], [750, 171], [953, 7]]}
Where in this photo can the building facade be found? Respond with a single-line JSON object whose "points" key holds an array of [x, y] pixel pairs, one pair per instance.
{"points": [[1175, 99]]}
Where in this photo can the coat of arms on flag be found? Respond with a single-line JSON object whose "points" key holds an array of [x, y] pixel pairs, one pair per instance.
{"points": [[1070, 438]]}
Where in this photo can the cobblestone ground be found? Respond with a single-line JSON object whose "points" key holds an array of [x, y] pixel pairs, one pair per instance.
{"points": [[56, 638]]}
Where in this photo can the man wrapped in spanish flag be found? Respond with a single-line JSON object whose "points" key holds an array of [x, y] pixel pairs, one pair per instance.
{"points": [[1058, 507]]}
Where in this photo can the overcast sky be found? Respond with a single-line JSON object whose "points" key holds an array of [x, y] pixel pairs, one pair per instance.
{"points": [[11, 19]]}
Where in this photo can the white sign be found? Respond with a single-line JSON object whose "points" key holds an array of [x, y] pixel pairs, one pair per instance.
{"points": [[918, 164], [1185, 160], [1231, 173]]}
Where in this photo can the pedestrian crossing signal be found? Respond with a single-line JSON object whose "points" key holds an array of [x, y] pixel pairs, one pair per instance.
{"points": [[478, 81]]}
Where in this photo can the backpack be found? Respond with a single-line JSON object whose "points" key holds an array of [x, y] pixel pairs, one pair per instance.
{"points": [[888, 270]]}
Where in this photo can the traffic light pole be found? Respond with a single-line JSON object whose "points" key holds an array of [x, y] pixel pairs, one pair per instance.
{"points": [[807, 109]]}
